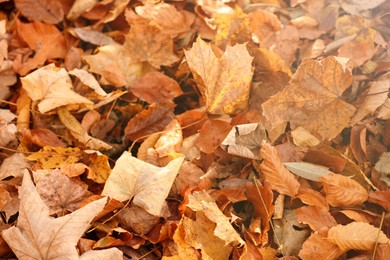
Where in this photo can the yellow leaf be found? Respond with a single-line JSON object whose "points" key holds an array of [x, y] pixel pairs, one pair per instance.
{"points": [[50, 157], [226, 79]]}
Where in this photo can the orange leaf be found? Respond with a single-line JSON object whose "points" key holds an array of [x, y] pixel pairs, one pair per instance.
{"points": [[313, 100], [318, 218], [211, 135], [149, 121], [381, 198], [319, 247], [342, 191], [356, 235], [43, 10], [42, 137], [275, 173], [311, 197]]}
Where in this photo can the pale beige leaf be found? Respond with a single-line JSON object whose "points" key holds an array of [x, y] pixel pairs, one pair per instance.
{"points": [[342, 191], [301, 137], [170, 140], [79, 7], [145, 183], [15, 165], [94, 37], [307, 170], [245, 140], [275, 173], [357, 236], [202, 202], [52, 87], [79, 132], [110, 253], [313, 99], [356, 6], [38, 236], [227, 78], [88, 80]]}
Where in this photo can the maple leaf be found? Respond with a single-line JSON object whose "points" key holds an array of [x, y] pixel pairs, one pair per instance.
{"points": [[275, 173], [52, 87], [226, 78], [39, 236], [313, 100], [145, 183]]}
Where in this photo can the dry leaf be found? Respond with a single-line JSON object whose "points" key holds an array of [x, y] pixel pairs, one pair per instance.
{"points": [[357, 236], [52, 87], [94, 37], [275, 173], [51, 158], [79, 132], [43, 10], [311, 197], [38, 236], [381, 198], [46, 40], [356, 6], [318, 218], [301, 137], [306, 170], [313, 99], [245, 140], [342, 191], [201, 202], [170, 140], [79, 7], [60, 193], [149, 43], [147, 185], [42, 137], [211, 135], [318, 246], [149, 121], [88, 80], [15, 165], [226, 78]]}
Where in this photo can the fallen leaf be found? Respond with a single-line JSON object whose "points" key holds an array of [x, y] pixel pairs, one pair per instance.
{"points": [[306, 170], [381, 198], [211, 135], [88, 80], [318, 218], [245, 140], [170, 140], [357, 236], [202, 202], [275, 173], [45, 39], [15, 165], [50, 157], [79, 7], [60, 193], [78, 132], [94, 37], [37, 235], [147, 185], [318, 246], [301, 137], [382, 165], [42, 137], [342, 191], [149, 43], [52, 87], [313, 99], [149, 121], [43, 10], [356, 6], [226, 78], [155, 87], [312, 197]]}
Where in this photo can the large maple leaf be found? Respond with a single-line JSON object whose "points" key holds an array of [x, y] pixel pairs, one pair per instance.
{"points": [[39, 236], [313, 100], [226, 78]]}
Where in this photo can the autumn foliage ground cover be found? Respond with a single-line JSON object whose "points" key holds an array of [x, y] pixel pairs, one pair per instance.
{"points": [[203, 129]]}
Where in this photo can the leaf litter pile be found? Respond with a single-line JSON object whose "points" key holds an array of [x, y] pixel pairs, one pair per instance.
{"points": [[203, 129]]}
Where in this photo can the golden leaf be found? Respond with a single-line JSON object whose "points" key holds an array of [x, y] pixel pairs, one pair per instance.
{"points": [[50, 157]]}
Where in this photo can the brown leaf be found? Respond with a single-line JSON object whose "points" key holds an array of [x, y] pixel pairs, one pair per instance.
{"points": [[42, 137], [155, 87], [318, 246], [358, 143], [43, 10], [334, 163], [342, 191], [357, 236], [211, 135], [275, 173], [37, 234], [226, 78], [149, 121], [381, 198], [61, 193], [313, 99], [149, 43], [318, 218]]}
